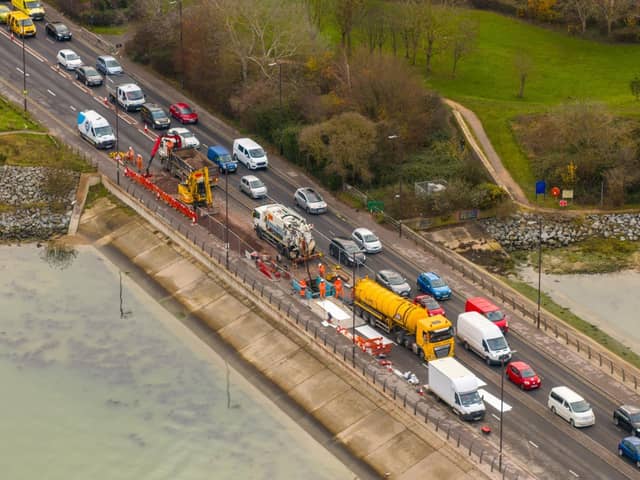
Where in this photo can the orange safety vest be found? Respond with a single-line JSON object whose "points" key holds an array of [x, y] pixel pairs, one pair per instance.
{"points": [[303, 287], [323, 289]]}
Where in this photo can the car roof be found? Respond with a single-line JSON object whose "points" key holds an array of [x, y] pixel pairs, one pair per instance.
{"points": [[388, 271], [66, 51], [247, 143], [181, 105], [153, 106], [107, 57], [342, 240], [519, 365], [631, 409], [219, 149], [250, 178], [567, 394], [362, 230], [431, 275], [633, 440]]}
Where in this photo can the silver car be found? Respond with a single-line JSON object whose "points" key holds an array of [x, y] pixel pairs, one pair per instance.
{"points": [[309, 200], [367, 240], [253, 186], [394, 281]]}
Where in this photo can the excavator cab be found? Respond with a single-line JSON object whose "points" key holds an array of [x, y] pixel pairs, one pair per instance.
{"points": [[196, 189]]}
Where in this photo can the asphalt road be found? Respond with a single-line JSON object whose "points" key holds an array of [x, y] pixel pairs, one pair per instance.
{"points": [[545, 444]]}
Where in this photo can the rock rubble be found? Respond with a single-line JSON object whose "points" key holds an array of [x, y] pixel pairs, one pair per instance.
{"points": [[26, 210], [520, 232]]}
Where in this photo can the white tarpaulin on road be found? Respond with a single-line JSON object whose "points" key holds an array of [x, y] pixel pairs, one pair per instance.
{"points": [[369, 332], [336, 312]]}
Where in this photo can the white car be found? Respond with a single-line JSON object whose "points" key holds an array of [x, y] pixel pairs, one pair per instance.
{"points": [[69, 59], [309, 200], [367, 240], [253, 186], [189, 140]]}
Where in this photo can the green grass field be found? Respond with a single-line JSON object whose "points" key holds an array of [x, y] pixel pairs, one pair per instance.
{"points": [[11, 118], [563, 69]]}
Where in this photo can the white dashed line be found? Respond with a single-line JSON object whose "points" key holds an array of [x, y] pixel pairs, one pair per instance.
{"points": [[22, 72], [574, 474], [51, 93], [495, 416], [72, 108], [533, 444]]}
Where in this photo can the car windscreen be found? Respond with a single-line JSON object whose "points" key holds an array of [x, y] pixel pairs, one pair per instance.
{"points": [[437, 283], [72, 56], [351, 248], [91, 72], [312, 197], [111, 64], [441, 335], [225, 157], [26, 22], [495, 316], [185, 110], [635, 417], [498, 343], [32, 4], [580, 407], [159, 114], [256, 184], [370, 238], [256, 153], [468, 399], [429, 303], [61, 28], [527, 373], [103, 131], [395, 279], [135, 95]]}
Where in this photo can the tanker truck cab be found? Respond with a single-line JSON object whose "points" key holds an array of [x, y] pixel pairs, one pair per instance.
{"points": [[95, 129], [434, 337], [481, 335]]}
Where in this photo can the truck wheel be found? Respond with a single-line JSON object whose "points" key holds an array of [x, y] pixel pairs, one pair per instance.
{"points": [[399, 338], [488, 361], [466, 345], [421, 354]]}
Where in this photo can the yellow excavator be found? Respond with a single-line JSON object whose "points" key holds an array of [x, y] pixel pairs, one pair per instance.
{"points": [[196, 189]]}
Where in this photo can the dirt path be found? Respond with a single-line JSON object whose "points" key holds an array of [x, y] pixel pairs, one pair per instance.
{"points": [[469, 123]]}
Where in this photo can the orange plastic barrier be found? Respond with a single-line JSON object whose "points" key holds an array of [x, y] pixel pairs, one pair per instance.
{"points": [[161, 194]]}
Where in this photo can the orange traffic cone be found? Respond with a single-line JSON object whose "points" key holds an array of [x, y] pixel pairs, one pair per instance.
{"points": [[146, 130]]}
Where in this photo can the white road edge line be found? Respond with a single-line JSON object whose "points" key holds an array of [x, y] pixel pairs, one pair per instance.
{"points": [[574, 473], [20, 70], [495, 416], [51, 93], [72, 108], [533, 444]]}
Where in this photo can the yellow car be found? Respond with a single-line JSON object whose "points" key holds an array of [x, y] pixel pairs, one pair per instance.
{"points": [[4, 13], [33, 8], [21, 24]]}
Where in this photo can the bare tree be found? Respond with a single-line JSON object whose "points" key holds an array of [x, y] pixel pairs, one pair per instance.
{"points": [[436, 23], [317, 10], [348, 13], [463, 41], [612, 10], [523, 65], [261, 32], [375, 25], [582, 9]]}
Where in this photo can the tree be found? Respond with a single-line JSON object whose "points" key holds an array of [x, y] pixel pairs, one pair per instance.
{"points": [[523, 65], [260, 32], [341, 146], [348, 13], [582, 9], [435, 30], [635, 87], [463, 41], [375, 25], [612, 10]]}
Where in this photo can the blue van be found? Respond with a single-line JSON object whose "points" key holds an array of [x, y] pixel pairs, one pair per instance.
{"points": [[222, 158]]}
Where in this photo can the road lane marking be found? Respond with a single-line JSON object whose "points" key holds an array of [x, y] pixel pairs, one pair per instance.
{"points": [[495, 416], [82, 87], [493, 400], [35, 54], [20, 70], [574, 474], [149, 135], [51, 93], [72, 108], [533, 444]]}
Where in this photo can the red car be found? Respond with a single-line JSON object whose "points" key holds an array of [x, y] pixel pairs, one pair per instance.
{"points": [[522, 375], [183, 112], [430, 304]]}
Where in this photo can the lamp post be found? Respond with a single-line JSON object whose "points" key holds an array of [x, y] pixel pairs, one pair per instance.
{"points": [[24, 73], [226, 207], [393, 146], [502, 359], [279, 65], [353, 320]]}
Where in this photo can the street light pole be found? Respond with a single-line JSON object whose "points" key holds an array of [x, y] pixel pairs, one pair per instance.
{"points": [[539, 266], [118, 158], [226, 207], [353, 308], [502, 374], [24, 73], [181, 48]]}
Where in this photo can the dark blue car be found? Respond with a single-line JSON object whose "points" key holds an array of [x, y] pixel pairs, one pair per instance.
{"points": [[630, 447], [221, 157], [431, 283]]}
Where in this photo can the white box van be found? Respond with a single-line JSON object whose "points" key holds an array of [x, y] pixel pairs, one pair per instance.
{"points": [[249, 153], [455, 385], [481, 335], [95, 129], [572, 407]]}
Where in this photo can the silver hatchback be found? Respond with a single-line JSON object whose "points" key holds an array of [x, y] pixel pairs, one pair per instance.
{"points": [[253, 186]]}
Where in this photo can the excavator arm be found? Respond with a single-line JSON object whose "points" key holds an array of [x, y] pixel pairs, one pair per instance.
{"points": [[163, 141]]}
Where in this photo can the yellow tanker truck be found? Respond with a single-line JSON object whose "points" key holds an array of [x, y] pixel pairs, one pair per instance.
{"points": [[410, 325]]}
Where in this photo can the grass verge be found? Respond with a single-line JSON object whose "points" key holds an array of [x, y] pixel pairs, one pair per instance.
{"points": [[12, 118], [24, 150], [592, 331], [98, 191]]}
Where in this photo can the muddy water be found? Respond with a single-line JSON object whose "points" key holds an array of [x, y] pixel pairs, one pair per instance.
{"points": [[107, 385], [608, 300]]}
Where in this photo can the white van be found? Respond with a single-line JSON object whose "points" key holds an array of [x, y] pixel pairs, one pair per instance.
{"points": [[95, 129], [481, 335], [249, 153], [572, 407]]}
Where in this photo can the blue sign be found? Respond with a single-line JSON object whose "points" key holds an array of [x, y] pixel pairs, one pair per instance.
{"points": [[541, 187]]}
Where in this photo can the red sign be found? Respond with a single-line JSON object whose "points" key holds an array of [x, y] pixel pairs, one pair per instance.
{"points": [[555, 191], [563, 203]]}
